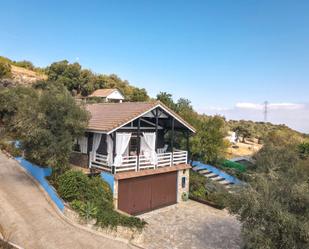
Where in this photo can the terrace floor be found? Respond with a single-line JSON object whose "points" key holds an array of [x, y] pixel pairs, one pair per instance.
{"points": [[190, 225]]}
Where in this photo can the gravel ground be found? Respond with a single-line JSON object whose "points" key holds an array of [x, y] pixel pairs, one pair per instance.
{"points": [[191, 225]]}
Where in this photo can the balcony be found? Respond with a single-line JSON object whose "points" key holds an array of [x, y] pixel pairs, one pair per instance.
{"points": [[137, 163]]}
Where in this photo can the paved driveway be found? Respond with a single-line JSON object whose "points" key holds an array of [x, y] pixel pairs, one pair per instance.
{"points": [[35, 223], [191, 225]]}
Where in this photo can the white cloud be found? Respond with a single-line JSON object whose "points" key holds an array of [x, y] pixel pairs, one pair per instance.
{"points": [[271, 106], [293, 115]]}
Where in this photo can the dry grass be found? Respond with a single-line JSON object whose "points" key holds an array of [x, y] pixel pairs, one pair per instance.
{"points": [[26, 76], [243, 149], [6, 233]]}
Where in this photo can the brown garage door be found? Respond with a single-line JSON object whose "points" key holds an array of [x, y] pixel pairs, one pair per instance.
{"points": [[141, 194]]}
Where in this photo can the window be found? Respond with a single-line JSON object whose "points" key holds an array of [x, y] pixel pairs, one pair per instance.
{"points": [[133, 145], [183, 182]]}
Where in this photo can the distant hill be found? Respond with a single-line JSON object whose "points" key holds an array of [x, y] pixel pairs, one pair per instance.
{"points": [[21, 73], [80, 81]]}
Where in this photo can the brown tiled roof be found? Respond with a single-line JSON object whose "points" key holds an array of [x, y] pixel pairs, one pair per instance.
{"points": [[106, 117], [102, 93]]}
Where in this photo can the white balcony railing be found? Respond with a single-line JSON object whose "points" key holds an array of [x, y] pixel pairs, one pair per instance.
{"points": [[134, 163]]}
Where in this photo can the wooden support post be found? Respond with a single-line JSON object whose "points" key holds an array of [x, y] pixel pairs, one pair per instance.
{"points": [[188, 146], [138, 141], [114, 153], [172, 142], [157, 124]]}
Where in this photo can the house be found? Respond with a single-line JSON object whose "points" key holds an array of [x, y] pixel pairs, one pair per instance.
{"points": [[108, 95], [232, 137], [131, 144]]}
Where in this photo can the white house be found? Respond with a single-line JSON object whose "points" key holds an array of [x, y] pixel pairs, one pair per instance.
{"points": [[109, 95]]}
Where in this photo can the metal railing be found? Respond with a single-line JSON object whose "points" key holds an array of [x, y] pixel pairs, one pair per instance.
{"points": [[135, 163]]}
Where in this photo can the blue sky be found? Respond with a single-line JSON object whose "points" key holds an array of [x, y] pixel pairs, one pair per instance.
{"points": [[218, 54]]}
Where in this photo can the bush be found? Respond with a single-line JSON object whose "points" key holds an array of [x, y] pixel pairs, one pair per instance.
{"points": [[74, 185], [5, 70], [10, 148], [204, 189], [86, 210], [92, 197]]}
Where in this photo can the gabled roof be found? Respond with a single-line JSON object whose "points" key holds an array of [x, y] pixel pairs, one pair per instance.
{"points": [[103, 93], [108, 117]]}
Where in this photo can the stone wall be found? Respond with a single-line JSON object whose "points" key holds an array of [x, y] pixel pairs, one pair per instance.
{"points": [[180, 188], [79, 159]]}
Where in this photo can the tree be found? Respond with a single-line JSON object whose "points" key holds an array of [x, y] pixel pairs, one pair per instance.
{"points": [[25, 64], [208, 144], [5, 70], [274, 206], [139, 94], [303, 150], [167, 99], [243, 130], [46, 123]]}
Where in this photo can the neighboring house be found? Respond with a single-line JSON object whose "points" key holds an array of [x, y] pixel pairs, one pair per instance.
{"points": [[108, 95], [232, 137], [126, 142]]}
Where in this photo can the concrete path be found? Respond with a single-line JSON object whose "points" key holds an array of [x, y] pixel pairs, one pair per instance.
{"points": [[191, 225], [34, 222]]}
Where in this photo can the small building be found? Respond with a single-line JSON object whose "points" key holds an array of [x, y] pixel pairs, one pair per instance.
{"points": [[108, 95], [127, 143], [232, 137]]}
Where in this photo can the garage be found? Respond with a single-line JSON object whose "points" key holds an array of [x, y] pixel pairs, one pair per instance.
{"points": [[141, 194]]}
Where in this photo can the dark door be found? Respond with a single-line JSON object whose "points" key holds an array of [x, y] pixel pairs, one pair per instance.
{"points": [[141, 194]]}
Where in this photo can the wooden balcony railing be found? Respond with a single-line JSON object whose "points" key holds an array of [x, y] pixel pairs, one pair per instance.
{"points": [[135, 163]]}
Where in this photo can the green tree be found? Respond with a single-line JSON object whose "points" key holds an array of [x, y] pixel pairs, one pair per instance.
{"points": [[303, 149], [208, 144], [274, 206], [139, 94], [46, 123], [5, 70], [167, 99], [243, 130], [25, 64]]}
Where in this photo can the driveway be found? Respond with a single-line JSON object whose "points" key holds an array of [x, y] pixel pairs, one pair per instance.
{"points": [[191, 225], [34, 222]]}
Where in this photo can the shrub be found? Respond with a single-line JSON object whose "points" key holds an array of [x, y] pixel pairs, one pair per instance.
{"points": [[205, 189], [86, 210], [92, 197], [100, 193], [10, 148], [74, 185], [5, 70]]}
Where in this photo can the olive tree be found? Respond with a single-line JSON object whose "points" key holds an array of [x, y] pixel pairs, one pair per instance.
{"points": [[46, 123]]}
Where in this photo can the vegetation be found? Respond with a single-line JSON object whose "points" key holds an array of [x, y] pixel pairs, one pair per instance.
{"points": [[10, 148], [248, 129], [92, 199], [274, 207], [25, 64], [205, 189], [5, 70], [45, 122], [5, 236], [208, 144], [84, 82]]}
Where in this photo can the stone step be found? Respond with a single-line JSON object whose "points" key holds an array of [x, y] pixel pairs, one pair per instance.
{"points": [[212, 175], [204, 171], [218, 179], [225, 182]]}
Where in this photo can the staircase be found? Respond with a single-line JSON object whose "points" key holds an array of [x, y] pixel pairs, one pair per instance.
{"points": [[215, 174]]}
